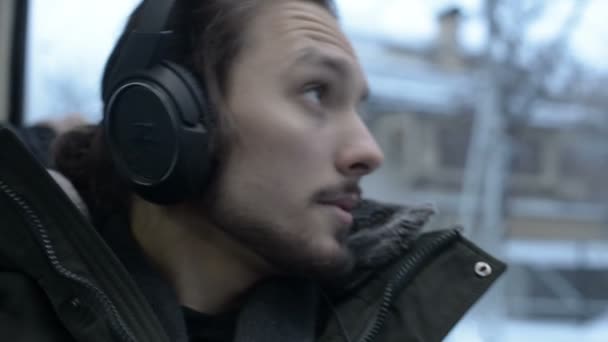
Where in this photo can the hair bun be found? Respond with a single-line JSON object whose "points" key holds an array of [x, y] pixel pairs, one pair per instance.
{"points": [[71, 152]]}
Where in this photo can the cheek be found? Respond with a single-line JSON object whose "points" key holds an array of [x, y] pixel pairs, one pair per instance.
{"points": [[275, 169], [283, 142]]}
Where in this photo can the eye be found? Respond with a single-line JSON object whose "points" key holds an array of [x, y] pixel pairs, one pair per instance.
{"points": [[315, 93]]}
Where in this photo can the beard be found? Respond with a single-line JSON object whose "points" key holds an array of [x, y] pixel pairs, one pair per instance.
{"points": [[274, 236], [279, 245]]}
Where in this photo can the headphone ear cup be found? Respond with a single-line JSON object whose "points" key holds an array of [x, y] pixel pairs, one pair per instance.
{"points": [[198, 91], [156, 135]]}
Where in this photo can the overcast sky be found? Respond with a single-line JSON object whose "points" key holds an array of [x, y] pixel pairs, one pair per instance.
{"points": [[71, 39], [412, 21]]}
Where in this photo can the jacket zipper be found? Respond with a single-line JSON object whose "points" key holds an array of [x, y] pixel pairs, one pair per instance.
{"points": [[412, 264], [117, 324]]}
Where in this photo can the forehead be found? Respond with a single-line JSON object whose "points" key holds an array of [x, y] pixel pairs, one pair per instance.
{"points": [[283, 29]]}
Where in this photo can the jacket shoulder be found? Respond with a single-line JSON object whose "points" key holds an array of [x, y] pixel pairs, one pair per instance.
{"points": [[420, 296], [441, 292]]}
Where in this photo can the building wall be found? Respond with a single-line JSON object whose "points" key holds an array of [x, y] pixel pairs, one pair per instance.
{"points": [[425, 160]]}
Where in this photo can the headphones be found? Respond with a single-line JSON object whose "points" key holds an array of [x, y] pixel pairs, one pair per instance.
{"points": [[156, 113]]}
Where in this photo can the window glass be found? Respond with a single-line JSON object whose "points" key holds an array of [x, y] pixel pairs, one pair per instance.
{"points": [[68, 44]]}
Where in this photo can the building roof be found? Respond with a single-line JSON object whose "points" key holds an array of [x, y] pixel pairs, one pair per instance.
{"points": [[409, 81]]}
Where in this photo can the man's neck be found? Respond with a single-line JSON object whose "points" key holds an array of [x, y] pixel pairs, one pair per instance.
{"points": [[209, 271]]}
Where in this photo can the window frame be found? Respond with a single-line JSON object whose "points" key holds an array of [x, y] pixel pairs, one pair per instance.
{"points": [[18, 62], [12, 62]]}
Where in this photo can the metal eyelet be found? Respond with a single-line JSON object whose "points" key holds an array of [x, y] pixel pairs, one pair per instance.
{"points": [[483, 269]]}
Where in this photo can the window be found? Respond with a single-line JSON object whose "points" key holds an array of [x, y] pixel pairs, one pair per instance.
{"points": [[68, 44]]}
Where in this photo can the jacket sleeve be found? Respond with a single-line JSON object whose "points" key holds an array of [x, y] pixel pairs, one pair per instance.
{"points": [[25, 312]]}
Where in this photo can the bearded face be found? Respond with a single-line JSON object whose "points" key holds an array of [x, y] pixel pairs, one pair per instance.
{"points": [[298, 147]]}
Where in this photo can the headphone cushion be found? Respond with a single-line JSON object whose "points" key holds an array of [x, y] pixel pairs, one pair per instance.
{"points": [[156, 135]]}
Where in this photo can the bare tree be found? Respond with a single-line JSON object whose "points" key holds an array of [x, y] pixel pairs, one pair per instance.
{"points": [[516, 73]]}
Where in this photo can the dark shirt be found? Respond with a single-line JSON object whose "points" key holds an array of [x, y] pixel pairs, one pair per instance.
{"points": [[206, 328]]}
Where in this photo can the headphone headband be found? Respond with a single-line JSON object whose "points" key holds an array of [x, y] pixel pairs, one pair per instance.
{"points": [[143, 45], [155, 16]]}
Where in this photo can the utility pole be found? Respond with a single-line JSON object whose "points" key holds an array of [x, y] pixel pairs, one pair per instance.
{"points": [[484, 185]]}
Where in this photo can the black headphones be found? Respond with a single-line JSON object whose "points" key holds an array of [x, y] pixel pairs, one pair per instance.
{"points": [[156, 112]]}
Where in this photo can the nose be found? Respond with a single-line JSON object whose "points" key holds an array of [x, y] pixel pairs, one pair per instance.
{"points": [[360, 154]]}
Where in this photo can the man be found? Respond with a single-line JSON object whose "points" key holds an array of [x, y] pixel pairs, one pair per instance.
{"points": [[243, 222]]}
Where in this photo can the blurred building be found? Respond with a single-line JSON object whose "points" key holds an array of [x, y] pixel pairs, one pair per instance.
{"points": [[423, 104]]}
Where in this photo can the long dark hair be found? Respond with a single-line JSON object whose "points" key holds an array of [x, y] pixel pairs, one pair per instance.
{"points": [[213, 34]]}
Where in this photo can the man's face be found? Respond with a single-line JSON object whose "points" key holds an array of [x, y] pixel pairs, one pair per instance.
{"points": [[298, 147]]}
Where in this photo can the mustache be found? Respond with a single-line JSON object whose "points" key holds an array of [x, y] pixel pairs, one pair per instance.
{"points": [[346, 188]]}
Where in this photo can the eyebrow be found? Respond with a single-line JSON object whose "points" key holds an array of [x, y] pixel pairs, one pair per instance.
{"points": [[335, 64]]}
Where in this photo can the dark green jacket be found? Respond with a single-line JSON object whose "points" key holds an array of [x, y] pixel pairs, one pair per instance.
{"points": [[60, 281]]}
